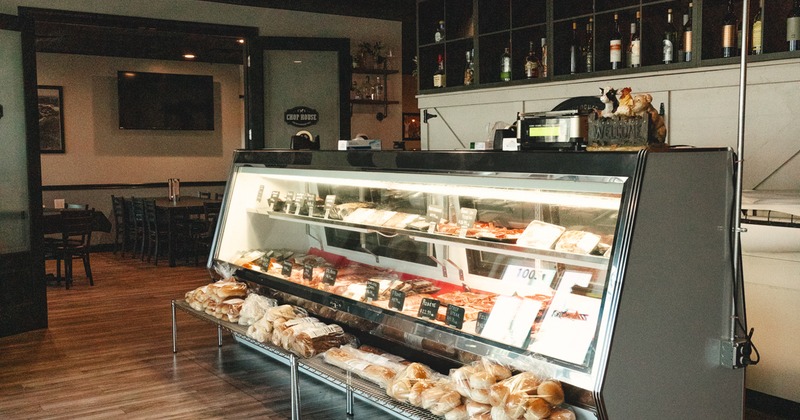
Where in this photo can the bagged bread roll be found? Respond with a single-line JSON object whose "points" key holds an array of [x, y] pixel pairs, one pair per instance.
{"points": [[551, 391], [197, 297], [282, 311], [415, 396], [254, 308], [562, 414], [460, 378], [444, 399], [537, 408], [458, 413], [399, 389], [229, 309], [283, 330], [259, 330], [525, 382], [476, 409], [226, 289], [343, 358]]}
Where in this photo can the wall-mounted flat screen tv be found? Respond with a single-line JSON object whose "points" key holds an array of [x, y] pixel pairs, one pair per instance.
{"points": [[161, 101]]}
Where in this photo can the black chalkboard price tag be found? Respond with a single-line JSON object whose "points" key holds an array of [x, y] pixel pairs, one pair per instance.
{"points": [[337, 303], [329, 277], [397, 300], [428, 308], [481, 322], [308, 272], [454, 316], [286, 268], [373, 290]]}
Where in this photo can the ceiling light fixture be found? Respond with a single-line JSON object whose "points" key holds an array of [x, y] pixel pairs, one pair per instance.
{"points": [[189, 56]]}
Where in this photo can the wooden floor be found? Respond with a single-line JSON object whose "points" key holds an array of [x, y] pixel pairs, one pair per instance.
{"points": [[108, 354]]}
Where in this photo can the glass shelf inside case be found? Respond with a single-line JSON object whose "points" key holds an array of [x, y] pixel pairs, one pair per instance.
{"points": [[496, 263]]}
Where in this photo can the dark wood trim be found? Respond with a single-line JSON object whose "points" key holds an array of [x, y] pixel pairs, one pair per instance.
{"points": [[133, 22], [84, 187], [771, 404], [255, 83]]}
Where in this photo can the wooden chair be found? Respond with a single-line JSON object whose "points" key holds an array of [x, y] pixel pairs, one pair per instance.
{"points": [[157, 230], [75, 242], [203, 239], [121, 227]]}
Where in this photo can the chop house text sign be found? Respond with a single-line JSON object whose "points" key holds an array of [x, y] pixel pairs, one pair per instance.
{"points": [[301, 116]]}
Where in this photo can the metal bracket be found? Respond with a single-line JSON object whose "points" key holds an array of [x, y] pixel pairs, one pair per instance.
{"points": [[734, 354], [427, 116]]}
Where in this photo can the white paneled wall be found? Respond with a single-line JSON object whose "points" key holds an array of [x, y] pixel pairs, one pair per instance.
{"points": [[701, 109]]}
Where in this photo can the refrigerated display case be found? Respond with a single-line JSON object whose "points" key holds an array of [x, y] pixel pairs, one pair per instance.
{"points": [[611, 272]]}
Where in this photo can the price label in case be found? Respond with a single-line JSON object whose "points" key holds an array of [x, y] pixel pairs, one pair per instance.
{"points": [[274, 197], [373, 290], [428, 308], [454, 316], [337, 303], [260, 194], [481, 322], [286, 268], [434, 216], [397, 300], [311, 202], [330, 201], [308, 272], [329, 277], [287, 206], [299, 199], [466, 220]]}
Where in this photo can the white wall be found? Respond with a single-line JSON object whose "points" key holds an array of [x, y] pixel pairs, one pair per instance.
{"points": [[701, 109]]}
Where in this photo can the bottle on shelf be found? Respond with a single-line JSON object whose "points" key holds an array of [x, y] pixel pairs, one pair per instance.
{"points": [[438, 36], [469, 69], [505, 66], [757, 38], [588, 47], [439, 77], [574, 50], [636, 41], [729, 32], [531, 63], [355, 92], [687, 37], [615, 45], [793, 27], [670, 40], [543, 70], [629, 50], [379, 89], [369, 89]]}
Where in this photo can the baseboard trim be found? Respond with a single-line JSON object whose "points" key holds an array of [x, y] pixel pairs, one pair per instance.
{"points": [[770, 404]]}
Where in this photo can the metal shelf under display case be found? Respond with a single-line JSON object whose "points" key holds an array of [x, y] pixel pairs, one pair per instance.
{"points": [[651, 242], [314, 367]]}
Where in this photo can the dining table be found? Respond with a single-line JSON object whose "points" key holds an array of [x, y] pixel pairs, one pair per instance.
{"points": [[194, 205], [51, 220]]}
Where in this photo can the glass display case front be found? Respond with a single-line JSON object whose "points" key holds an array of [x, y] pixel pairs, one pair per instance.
{"points": [[509, 265]]}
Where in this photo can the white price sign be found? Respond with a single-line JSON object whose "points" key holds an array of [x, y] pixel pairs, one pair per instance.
{"points": [[527, 276]]}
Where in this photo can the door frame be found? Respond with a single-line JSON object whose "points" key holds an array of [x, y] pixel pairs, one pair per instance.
{"points": [[30, 313], [254, 79]]}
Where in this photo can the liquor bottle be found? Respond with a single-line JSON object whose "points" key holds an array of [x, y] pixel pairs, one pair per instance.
{"points": [[531, 63], [687, 37], [543, 70], [793, 27], [588, 47], [729, 32], [439, 77], [636, 43], [757, 40], [670, 39], [505, 66], [574, 50], [615, 45], [469, 70], [439, 35], [368, 89], [629, 50], [379, 89]]}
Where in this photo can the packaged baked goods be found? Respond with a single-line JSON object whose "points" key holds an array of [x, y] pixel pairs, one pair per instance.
{"points": [[562, 414], [260, 330], [347, 358], [476, 409], [537, 408], [551, 391], [229, 309], [525, 383], [458, 413], [441, 398], [539, 234], [419, 387], [286, 335], [400, 387], [254, 308], [317, 340]]}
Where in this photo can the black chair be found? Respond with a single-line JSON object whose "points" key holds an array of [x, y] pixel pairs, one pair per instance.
{"points": [[75, 242], [218, 196], [204, 194], [211, 217], [157, 230], [121, 227], [139, 227], [76, 206]]}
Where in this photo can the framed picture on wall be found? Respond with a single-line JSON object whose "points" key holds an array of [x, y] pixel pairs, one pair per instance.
{"points": [[51, 119]]}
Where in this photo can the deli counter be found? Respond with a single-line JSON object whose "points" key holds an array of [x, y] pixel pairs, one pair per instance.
{"points": [[610, 272]]}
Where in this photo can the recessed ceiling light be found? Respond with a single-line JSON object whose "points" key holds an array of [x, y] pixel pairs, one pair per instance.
{"points": [[297, 61], [189, 56], [240, 40]]}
